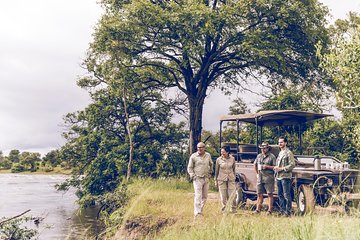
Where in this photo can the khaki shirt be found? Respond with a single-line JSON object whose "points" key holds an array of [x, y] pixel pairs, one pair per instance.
{"points": [[200, 166], [267, 175], [285, 160], [225, 169]]}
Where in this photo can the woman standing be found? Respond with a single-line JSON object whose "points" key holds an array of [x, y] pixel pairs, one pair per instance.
{"points": [[225, 178]]}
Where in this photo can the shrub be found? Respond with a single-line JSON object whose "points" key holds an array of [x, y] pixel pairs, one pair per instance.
{"points": [[6, 164], [17, 167], [48, 168], [13, 229]]}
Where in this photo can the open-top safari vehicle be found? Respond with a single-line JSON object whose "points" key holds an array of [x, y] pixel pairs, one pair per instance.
{"points": [[316, 179]]}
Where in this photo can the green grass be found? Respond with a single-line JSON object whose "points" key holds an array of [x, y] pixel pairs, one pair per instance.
{"points": [[156, 200]]}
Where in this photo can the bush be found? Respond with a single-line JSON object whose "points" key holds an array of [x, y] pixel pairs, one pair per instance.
{"points": [[17, 167], [48, 168], [6, 164], [13, 229], [64, 165], [174, 164]]}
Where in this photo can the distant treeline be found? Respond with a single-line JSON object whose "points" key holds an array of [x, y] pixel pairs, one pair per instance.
{"points": [[18, 161]]}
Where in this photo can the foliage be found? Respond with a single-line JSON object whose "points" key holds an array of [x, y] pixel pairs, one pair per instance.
{"points": [[293, 98], [112, 206], [52, 158], [48, 168], [97, 145], [13, 229], [29, 160], [238, 106], [350, 124], [174, 163], [342, 64], [14, 155], [193, 46], [5, 164], [326, 134], [17, 167]]}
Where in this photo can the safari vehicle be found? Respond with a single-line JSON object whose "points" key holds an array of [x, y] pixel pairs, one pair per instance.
{"points": [[316, 179]]}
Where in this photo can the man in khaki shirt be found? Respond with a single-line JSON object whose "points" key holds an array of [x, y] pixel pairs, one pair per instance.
{"points": [[263, 166], [200, 168]]}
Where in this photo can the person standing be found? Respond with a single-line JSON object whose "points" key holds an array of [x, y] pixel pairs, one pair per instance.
{"points": [[285, 163], [263, 166], [225, 178], [200, 169]]}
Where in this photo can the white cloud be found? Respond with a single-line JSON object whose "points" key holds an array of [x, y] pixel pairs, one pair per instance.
{"points": [[42, 45]]}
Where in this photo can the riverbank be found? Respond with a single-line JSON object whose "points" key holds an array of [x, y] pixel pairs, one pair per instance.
{"points": [[41, 171], [163, 209]]}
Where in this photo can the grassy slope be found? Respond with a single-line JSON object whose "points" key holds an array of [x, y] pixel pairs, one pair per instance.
{"points": [[163, 209]]}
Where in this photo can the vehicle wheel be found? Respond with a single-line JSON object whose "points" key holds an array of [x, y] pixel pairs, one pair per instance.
{"points": [[305, 200], [240, 195]]}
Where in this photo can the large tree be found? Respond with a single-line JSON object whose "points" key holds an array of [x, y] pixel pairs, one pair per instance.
{"points": [[342, 64], [195, 45]]}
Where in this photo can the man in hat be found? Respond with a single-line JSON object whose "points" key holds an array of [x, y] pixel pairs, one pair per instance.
{"points": [[263, 166]]}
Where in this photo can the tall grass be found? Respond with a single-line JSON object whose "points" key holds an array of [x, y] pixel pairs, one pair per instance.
{"points": [[173, 198]]}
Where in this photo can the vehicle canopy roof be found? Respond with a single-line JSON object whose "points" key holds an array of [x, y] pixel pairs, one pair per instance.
{"points": [[275, 117]]}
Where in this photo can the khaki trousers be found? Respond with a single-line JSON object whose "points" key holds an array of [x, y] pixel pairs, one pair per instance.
{"points": [[227, 194], [201, 187]]}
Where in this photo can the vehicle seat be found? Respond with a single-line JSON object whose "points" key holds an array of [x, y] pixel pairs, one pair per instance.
{"points": [[248, 152], [247, 148], [232, 145]]}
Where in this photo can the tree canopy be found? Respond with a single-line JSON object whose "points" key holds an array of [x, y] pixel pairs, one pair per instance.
{"points": [[342, 64], [196, 45], [97, 146]]}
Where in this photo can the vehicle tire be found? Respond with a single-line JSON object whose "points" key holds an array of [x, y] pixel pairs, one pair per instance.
{"points": [[305, 200], [240, 195]]}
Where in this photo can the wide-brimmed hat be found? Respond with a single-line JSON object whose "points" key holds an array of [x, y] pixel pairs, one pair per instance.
{"points": [[264, 145]]}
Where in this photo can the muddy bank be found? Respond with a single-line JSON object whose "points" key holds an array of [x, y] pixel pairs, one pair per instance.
{"points": [[142, 226]]}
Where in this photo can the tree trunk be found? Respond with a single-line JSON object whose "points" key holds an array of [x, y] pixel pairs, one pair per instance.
{"points": [[131, 147], [196, 106]]}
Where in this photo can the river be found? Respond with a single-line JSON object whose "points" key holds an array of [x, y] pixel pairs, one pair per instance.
{"points": [[62, 219]]}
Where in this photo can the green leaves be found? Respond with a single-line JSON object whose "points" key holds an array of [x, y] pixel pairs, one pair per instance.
{"points": [[342, 64], [14, 229]]}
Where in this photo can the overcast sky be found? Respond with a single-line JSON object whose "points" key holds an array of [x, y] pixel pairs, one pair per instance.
{"points": [[42, 44]]}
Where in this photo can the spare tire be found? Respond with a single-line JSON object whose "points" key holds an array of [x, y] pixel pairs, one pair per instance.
{"points": [[305, 200]]}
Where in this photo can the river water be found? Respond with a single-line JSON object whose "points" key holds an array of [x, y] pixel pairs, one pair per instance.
{"points": [[62, 219]]}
